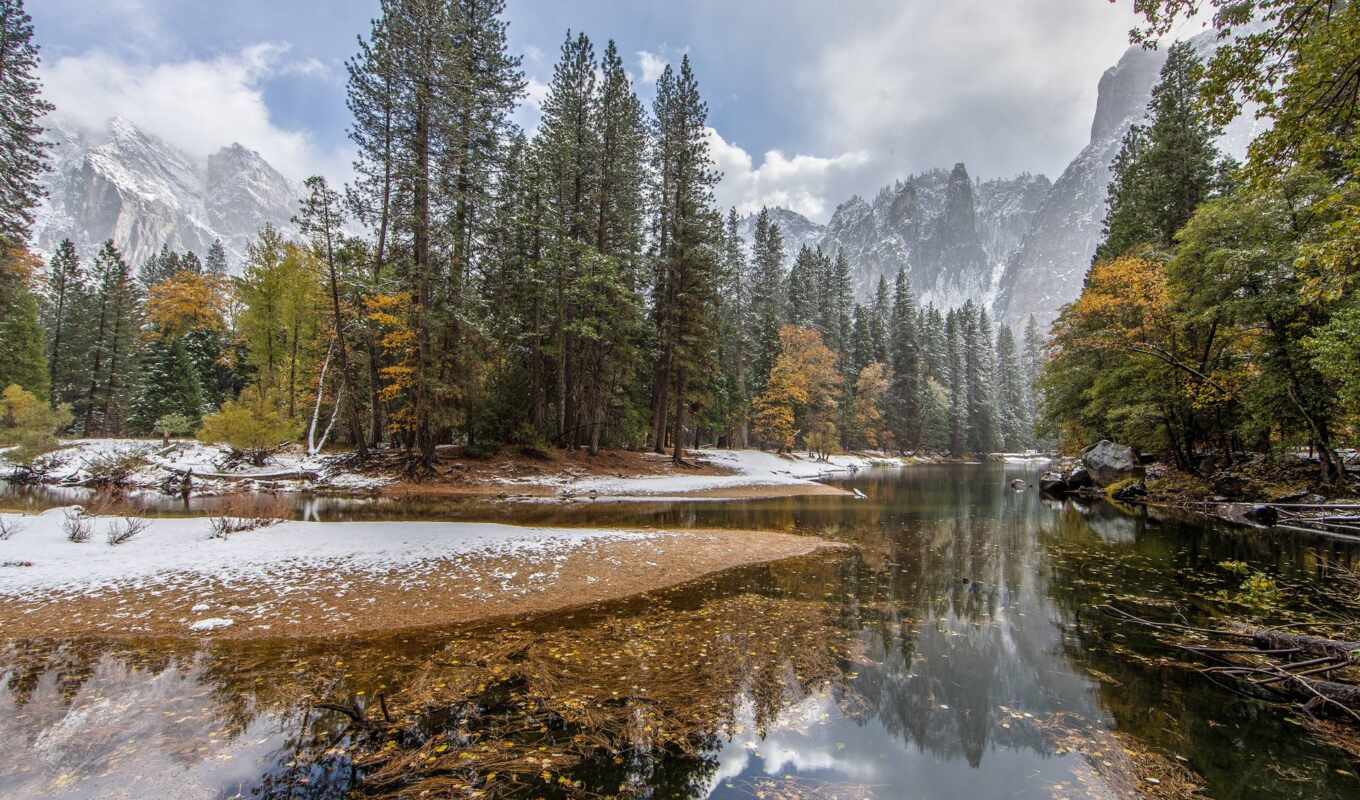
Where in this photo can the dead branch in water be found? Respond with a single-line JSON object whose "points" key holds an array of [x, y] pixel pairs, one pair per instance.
{"points": [[1271, 668]]}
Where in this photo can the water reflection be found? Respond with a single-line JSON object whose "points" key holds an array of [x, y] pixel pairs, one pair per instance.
{"points": [[948, 657]]}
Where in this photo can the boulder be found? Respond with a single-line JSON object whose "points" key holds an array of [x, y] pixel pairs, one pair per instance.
{"points": [[1107, 462], [1079, 478], [1053, 483]]}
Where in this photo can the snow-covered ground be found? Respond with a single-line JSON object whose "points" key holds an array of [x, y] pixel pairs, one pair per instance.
{"points": [[38, 558], [77, 461], [749, 468], [80, 459]]}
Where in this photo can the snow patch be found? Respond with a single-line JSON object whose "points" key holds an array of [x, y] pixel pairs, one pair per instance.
{"points": [[211, 624], [282, 556]]}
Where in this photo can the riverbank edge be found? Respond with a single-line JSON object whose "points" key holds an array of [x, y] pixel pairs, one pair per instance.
{"points": [[187, 468], [324, 603]]}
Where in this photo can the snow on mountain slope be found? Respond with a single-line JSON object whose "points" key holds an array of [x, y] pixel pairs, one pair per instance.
{"points": [[949, 232], [129, 186]]}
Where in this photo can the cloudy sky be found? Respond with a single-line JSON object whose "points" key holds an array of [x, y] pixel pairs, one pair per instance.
{"points": [[810, 101]]}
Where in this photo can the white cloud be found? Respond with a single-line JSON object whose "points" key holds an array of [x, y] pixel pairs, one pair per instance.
{"points": [[308, 68], [810, 185], [1002, 86], [535, 92], [651, 64], [198, 106]]}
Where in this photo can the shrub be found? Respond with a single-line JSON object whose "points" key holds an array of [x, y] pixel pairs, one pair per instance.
{"points": [[29, 424], [9, 527], [125, 529], [246, 513], [78, 525], [114, 469], [251, 426]]}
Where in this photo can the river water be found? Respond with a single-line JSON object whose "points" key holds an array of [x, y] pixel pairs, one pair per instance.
{"points": [[955, 653]]}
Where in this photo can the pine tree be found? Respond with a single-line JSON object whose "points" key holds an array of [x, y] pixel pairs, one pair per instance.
{"points": [[161, 267], [1166, 169], [22, 358], [839, 308], [801, 308], [959, 433], [686, 262], [976, 340], [23, 152], [861, 343], [65, 301], [881, 311], [904, 392], [169, 384], [1032, 360], [116, 320], [1010, 394], [767, 312], [216, 261], [734, 345]]}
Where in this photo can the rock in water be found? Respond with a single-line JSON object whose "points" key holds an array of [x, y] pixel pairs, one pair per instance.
{"points": [[1108, 462], [1079, 478], [1053, 483]]}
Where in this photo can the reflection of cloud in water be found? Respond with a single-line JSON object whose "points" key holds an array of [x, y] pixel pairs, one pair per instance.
{"points": [[788, 746], [127, 732]]}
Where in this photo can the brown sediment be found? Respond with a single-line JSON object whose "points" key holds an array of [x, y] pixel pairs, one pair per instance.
{"points": [[466, 588]]}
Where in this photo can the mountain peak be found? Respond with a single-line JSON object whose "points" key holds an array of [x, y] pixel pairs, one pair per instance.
{"points": [[130, 186]]}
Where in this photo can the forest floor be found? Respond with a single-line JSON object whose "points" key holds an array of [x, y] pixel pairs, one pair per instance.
{"points": [[175, 577], [510, 472]]}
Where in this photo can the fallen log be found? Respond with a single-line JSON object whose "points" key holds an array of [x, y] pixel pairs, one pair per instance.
{"points": [[283, 475], [1275, 639]]}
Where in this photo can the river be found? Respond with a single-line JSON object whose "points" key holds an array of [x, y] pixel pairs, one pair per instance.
{"points": [[955, 653]]}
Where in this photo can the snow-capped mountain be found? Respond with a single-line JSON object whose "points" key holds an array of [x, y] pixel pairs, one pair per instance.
{"points": [[950, 233], [1017, 246], [129, 186], [796, 230]]}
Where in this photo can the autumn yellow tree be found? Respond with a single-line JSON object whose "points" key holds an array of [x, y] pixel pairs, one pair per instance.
{"points": [[800, 395], [1126, 364], [186, 302], [281, 316], [871, 429]]}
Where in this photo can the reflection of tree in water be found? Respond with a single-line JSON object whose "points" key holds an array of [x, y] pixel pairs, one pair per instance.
{"points": [[654, 681], [960, 628], [1169, 570], [959, 612]]}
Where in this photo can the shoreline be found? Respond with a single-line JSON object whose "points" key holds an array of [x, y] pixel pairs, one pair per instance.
{"points": [[304, 580], [150, 467]]}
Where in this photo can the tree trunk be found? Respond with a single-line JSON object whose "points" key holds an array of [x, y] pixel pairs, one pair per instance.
{"points": [[679, 436]]}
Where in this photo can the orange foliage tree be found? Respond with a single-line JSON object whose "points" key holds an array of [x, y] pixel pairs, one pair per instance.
{"points": [[801, 393]]}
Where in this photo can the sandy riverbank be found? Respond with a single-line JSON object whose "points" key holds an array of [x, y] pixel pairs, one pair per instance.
{"points": [[318, 579]]}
